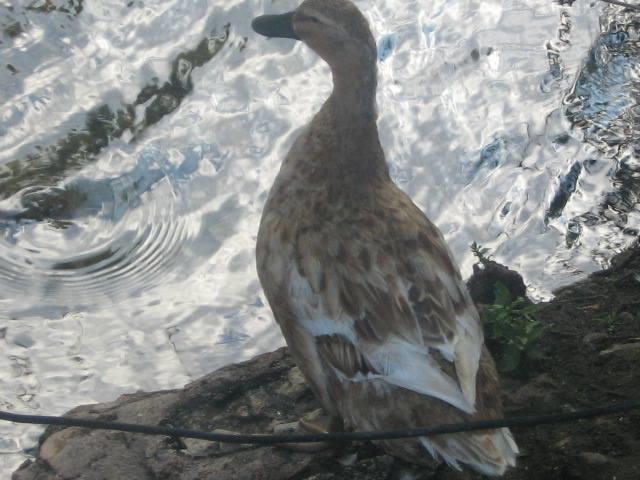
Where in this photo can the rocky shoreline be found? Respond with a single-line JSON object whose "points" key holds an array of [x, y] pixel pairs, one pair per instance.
{"points": [[591, 349]]}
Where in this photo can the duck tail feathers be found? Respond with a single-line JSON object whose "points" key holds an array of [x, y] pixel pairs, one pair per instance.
{"points": [[488, 452]]}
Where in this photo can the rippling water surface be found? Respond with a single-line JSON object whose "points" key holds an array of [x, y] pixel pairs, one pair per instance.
{"points": [[138, 142]]}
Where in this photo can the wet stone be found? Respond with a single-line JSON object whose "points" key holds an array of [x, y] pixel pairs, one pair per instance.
{"points": [[626, 317], [200, 448], [626, 350], [295, 385], [539, 391], [562, 443], [594, 338], [593, 458], [286, 428]]}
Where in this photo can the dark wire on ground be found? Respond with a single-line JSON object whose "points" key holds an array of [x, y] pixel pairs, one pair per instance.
{"points": [[272, 439]]}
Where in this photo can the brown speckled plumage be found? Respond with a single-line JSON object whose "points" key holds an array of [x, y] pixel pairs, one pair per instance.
{"points": [[362, 284]]}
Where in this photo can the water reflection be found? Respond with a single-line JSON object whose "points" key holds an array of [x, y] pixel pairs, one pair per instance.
{"points": [[604, 105], [48, 164], [89, 240]]}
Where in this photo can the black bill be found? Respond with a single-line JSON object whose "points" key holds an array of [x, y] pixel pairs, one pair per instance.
{"points": [[280, 26]]}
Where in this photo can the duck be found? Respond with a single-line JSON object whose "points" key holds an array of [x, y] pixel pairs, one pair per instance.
{"points": [[361, 283]]}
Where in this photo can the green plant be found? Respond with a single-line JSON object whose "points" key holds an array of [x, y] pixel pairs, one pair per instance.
{"points": [[610, 320], [511, 331], [480, 253]]}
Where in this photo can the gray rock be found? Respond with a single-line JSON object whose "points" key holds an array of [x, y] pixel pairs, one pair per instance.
{"points": [[594, 338], [626, 317], [200, 448], [622, 349], [251, 397], [539, 391], [593, 458], [482, 283]]}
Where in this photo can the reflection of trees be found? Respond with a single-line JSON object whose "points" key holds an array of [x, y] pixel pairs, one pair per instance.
{"points": [[566, 188], [82, 196], [71, 7], [50, 164], [604, 104], [12, 28]]}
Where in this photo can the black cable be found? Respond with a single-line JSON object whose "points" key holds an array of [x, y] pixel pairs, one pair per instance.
{"points": [[266, 439]]}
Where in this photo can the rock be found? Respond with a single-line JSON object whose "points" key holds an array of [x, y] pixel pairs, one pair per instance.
{"points": [[295, 377], [563, 442], [626, 317], [539, 391], [348, 460], [286, 428], [295, 386], [626, 256], [593, 458], [57, 442], [200, 448], [481, 284], [624, 350], [246, 397], [594, 338]]}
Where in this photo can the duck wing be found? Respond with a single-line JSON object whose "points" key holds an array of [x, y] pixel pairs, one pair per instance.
{"points": [[382, 299]]}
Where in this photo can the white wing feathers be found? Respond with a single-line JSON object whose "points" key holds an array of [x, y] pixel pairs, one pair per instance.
{"points": [[407, 363], [412, 367]]}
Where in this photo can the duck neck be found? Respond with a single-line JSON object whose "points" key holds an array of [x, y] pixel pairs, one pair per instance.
{"points": [[354, 94], [341, 144], [355, 149]]}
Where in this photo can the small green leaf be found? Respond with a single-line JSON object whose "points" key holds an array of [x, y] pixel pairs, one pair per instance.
{"points": [[535, 353], [511, 329], [502, 294], [510, 360]]}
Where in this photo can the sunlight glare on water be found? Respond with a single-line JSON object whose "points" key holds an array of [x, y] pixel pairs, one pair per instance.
{"points": [[138, 141]]}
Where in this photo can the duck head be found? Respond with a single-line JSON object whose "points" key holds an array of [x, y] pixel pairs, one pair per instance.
{"points": [[335, 29]]}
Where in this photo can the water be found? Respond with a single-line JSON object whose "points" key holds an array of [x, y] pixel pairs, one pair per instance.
{"points": [[138, 142]]}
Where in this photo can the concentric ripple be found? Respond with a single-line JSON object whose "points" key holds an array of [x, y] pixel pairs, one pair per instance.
{"points": [[86, 263]]}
